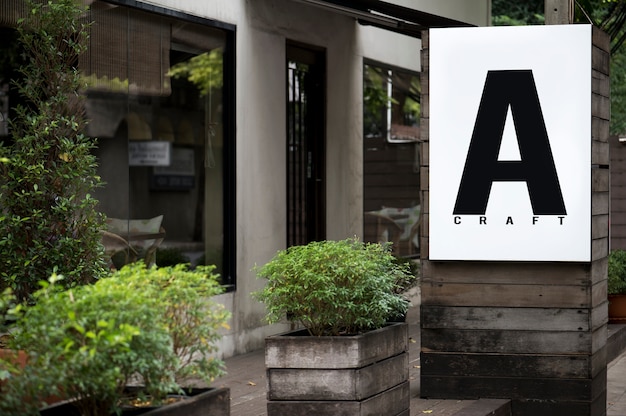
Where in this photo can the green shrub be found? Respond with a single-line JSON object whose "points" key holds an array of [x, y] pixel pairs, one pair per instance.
{"points": [[334, 287], [88, 343], [616, 283], [411, 279], [47, 215], [151, 326], [193, 320], [170, 257]]}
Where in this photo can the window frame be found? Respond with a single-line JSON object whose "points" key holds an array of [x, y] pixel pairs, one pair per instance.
{"points": [[229, 272]]}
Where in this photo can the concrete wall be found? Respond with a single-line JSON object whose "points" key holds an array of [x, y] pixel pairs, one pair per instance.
{"points": [[263, 27]]}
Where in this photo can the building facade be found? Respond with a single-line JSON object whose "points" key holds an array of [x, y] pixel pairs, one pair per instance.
{"points": [[235, 128]]}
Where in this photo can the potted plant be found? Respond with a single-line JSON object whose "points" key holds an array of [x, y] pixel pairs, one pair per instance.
{"points": [[151, 328], [616, 286], [348, 359]]}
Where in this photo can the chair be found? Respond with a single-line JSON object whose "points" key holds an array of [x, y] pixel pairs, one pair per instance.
{"points": [[144, 236], [114, 244], [399, 226]]}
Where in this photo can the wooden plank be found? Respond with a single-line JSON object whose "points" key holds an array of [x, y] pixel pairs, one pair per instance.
{"points": [[506, 365], [599, 270], [393, 402], [425, 105], [381, 165], [599, 128], [600, 84], [600, 60], [599, 248], [600, 203], [599, 315], [425, 39], [618, 179], [337, 384], [424, 129], [424, 178], [600, 107], [425, 153], [600, 39], [425, 228], [598, 339], [599, 180], [512, 319], [498, 295], [424, 247], [425, 200], [394, 180], [507, 272], [599, 226], [618, 200], [424, 60], [506, 342], [294, 350], [598, 361], [556, 389], [600, 153], [598, 295], [616, 243], [618, 231]]}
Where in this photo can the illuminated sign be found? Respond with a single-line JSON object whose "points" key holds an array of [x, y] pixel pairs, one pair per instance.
{"points": [[510, 143]]}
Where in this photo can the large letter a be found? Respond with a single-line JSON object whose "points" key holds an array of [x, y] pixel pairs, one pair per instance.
{"points": [[536, 167]]}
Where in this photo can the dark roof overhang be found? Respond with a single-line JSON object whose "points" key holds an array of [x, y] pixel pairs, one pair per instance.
{"points": [[385, 15]]}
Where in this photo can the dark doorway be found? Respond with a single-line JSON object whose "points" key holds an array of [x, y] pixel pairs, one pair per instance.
{"points": [[306, 125]]}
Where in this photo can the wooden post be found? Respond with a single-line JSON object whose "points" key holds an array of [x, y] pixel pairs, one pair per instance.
{"points": [[532, 332], [559, 12]]}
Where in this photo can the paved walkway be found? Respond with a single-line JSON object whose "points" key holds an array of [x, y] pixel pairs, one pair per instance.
{"points": [[247, 382]]}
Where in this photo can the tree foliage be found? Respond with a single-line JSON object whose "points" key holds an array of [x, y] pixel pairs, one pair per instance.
{"points": [[608, 15], [48, 220], [517, 12], [205, 71]]}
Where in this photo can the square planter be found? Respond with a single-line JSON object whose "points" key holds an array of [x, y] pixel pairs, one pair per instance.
{"points": [[198, 402], [344, 375]]}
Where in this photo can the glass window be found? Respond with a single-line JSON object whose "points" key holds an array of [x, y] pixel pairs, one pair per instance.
{"points": [[391, 175], [159, 102]]}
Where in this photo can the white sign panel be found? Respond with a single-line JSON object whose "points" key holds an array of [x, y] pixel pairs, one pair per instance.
{"points": [[510, 143], [149, 153]]}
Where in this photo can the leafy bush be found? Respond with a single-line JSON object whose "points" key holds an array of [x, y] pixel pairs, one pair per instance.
{"points": [[407, 281], [334, 287], [143, 325], [616, 283], [87, 343], [192, 319], [47, 215], [170, 257]]}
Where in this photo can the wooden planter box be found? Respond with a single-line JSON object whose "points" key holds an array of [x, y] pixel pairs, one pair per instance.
{"points": [[353, 375], [200, 402]]}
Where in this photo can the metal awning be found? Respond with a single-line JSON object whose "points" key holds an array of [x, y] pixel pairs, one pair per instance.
{"points": [[387, 15]]}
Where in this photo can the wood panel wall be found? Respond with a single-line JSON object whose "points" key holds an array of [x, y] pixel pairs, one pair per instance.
{"points": [[533, 332], [618, 193]]}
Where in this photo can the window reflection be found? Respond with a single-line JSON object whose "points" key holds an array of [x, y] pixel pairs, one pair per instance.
{"points": [[155, 88], [391, 111]]}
